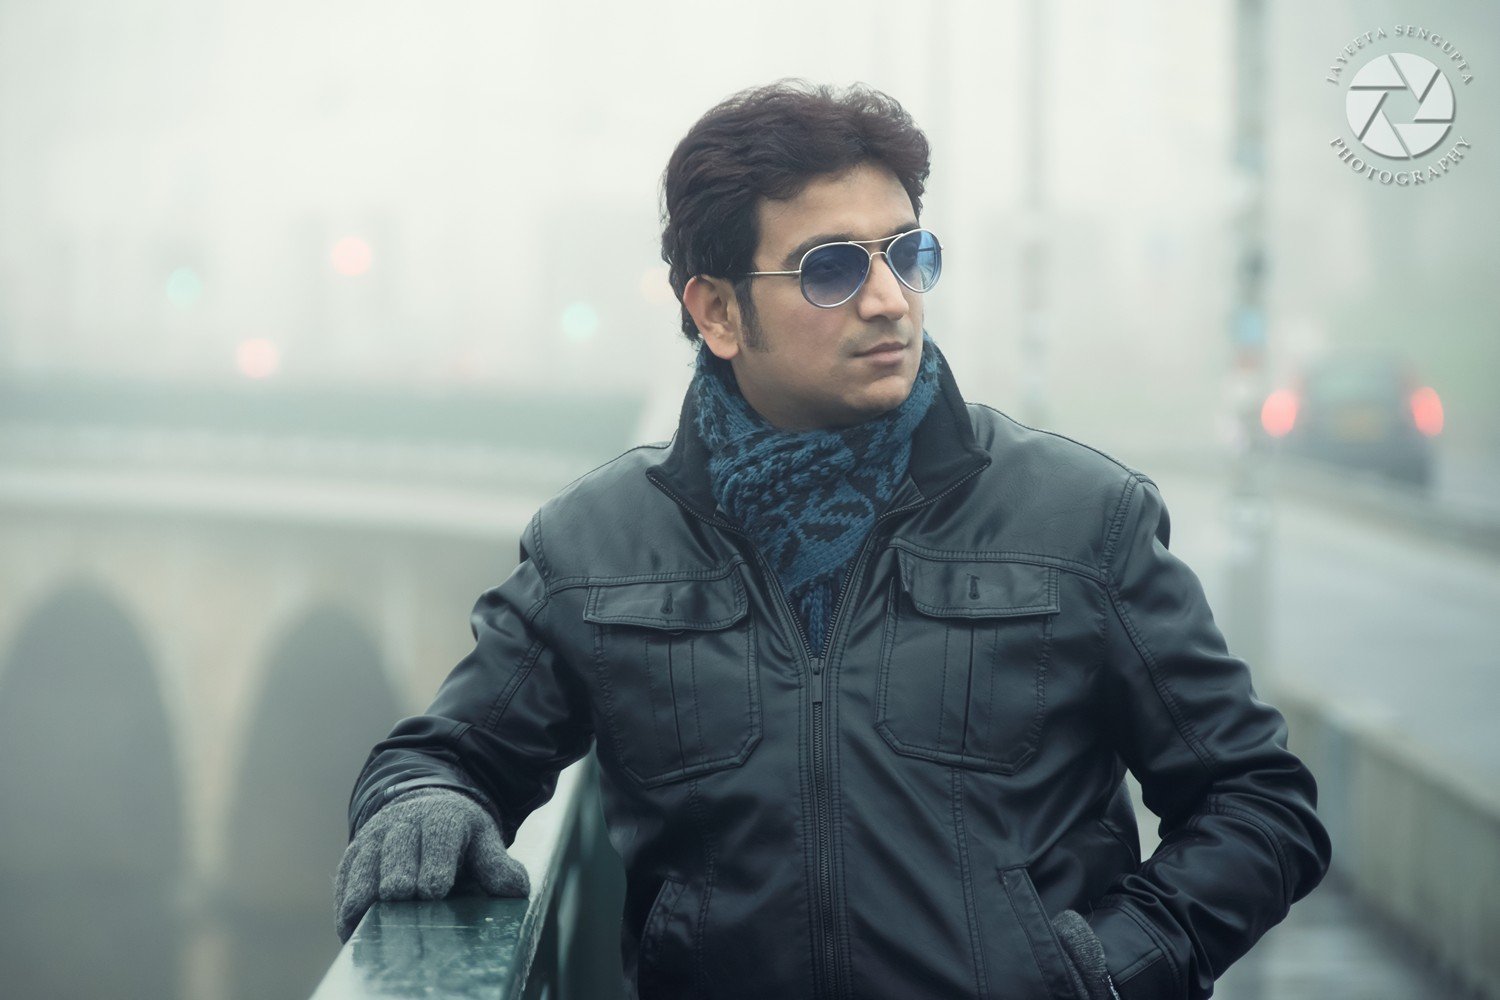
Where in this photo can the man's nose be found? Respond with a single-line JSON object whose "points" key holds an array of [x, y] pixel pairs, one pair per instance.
{"points": [[882, 294]]}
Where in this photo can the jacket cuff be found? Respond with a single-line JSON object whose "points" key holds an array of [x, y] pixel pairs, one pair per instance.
{"points": [[1139, 968], [386, 794]]}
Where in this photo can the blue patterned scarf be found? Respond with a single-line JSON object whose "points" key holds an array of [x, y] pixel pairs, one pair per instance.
{"points": [[808, 499]]}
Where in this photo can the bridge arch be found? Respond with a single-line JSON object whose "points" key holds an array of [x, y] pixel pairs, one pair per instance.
{"points": [[91, 876], [325, 698]]}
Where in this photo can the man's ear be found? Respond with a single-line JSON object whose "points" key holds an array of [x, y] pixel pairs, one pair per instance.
{"points": [[715, 311]]}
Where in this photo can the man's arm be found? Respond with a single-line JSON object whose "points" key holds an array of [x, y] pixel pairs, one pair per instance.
{"points": [[506, 720], [1241, 841]]}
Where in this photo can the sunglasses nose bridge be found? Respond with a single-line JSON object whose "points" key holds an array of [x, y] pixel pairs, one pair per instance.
{"points": [[871, 266], [865, 278]]}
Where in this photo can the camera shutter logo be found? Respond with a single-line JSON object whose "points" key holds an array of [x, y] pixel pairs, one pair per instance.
{"points": [[1378, 79]]}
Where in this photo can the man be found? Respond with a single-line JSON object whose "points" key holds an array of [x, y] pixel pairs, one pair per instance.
{"points": [[866, 663]]}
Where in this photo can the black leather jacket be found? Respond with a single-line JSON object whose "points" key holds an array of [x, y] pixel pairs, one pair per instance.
{"points": [[900, 818]]}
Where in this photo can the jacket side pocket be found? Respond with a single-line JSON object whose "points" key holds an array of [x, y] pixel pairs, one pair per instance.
{"points": [[1046, 949], [664, 932]]}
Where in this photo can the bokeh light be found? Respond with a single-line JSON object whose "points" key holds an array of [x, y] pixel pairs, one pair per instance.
{"points": [[1279, 412], [257, 357], [580, 321], [1427, 411], [184, 287], [352, 256]]}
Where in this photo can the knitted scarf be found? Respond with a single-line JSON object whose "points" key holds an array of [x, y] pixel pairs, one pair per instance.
{"points": [[808, 499]]}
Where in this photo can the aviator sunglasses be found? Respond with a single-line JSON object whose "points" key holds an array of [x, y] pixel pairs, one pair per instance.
{"points": [[833, 272]]}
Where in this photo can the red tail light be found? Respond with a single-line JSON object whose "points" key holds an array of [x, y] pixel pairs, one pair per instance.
{"points": [[1279, 412], [1426, 410]]}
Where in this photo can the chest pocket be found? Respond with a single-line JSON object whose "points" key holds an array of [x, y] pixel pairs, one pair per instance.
{"points": [[964, 657], [676, 671]]}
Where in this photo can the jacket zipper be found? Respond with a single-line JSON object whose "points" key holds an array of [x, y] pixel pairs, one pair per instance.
{"points": [[815, 666], [821, 804]]}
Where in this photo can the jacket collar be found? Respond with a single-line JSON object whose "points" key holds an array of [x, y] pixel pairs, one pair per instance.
{"points": [[943, 452]]}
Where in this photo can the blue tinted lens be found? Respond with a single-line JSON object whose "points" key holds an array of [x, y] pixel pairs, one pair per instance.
{"points": [[831, 274], [916, 258]]}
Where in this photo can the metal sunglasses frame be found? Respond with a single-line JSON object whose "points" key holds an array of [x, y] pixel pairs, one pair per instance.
{"points": [[868, 266]]}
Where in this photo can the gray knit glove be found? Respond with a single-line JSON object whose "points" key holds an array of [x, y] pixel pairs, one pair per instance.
{"points": [[413, 847], [1085, 957]]}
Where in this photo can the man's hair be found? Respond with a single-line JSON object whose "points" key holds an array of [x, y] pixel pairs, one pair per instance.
{"points": [[769, 142]]}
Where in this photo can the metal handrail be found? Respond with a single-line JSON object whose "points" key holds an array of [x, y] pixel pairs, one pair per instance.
{"points": [[563, 941]]}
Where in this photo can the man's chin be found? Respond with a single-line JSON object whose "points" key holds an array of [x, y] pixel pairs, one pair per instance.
{"points": [[880, 404]]}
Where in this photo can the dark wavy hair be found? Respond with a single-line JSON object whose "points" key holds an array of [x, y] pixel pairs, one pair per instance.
{"points": [[769, 142]]}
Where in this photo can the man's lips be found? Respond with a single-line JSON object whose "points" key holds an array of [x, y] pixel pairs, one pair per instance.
{"points": [[889, 345]]}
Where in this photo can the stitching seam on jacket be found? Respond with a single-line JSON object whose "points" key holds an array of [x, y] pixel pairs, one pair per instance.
{"points": [[535, 530], [998, 555], [727, 569], [943, 687], [1117, 523], [1117, 602], [711, 864], [653, 702], [693, 687], [966, 873], [606, 693], [1179, 720], [1025, 931], [502, 700]]}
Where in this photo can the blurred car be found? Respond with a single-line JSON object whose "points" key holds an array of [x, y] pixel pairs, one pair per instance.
{"points": [[1359, 410]]}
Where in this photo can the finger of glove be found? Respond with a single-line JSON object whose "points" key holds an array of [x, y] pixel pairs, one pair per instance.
{"points": [[442, 846], [497, 872], [355, 889], [400, 852]]}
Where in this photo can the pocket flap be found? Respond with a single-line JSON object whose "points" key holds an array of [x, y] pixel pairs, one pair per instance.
{"points": [[671, 605], [970, 588]]}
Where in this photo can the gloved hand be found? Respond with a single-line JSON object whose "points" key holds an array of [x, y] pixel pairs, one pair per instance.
{"points": [[1085, 957], [412, 848]]}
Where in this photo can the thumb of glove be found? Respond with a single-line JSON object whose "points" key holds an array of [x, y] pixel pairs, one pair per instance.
{"points": [[493, 868]]}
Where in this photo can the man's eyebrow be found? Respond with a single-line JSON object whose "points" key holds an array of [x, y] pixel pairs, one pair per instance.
{"points": [[795, 254]]}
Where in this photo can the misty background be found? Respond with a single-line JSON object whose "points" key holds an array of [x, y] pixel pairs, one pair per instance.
{"points": [[305, 308]]}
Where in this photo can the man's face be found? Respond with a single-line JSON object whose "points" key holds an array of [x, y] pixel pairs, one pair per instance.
{"points": [[799, 366]]}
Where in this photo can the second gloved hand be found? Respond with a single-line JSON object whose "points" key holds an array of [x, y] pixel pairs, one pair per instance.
{"points": [[414, 847], [1084, 955]]}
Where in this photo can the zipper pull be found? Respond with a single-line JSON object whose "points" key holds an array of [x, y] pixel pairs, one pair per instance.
{"points": [[817, 686]]}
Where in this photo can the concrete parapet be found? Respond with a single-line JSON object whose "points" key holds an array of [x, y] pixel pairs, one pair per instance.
{"points": [[1414, 837]]}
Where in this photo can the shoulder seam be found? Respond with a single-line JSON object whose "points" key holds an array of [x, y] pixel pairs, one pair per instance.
{"points": [[1056, 434], [1117, 522], [534, 528], [658, 445]]}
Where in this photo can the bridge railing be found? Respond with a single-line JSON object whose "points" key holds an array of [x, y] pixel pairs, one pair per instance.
{"points": [[562, 942]]}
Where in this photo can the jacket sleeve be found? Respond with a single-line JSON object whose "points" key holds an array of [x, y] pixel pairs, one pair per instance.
{"points": [[508, 718], [1240, 837]]}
